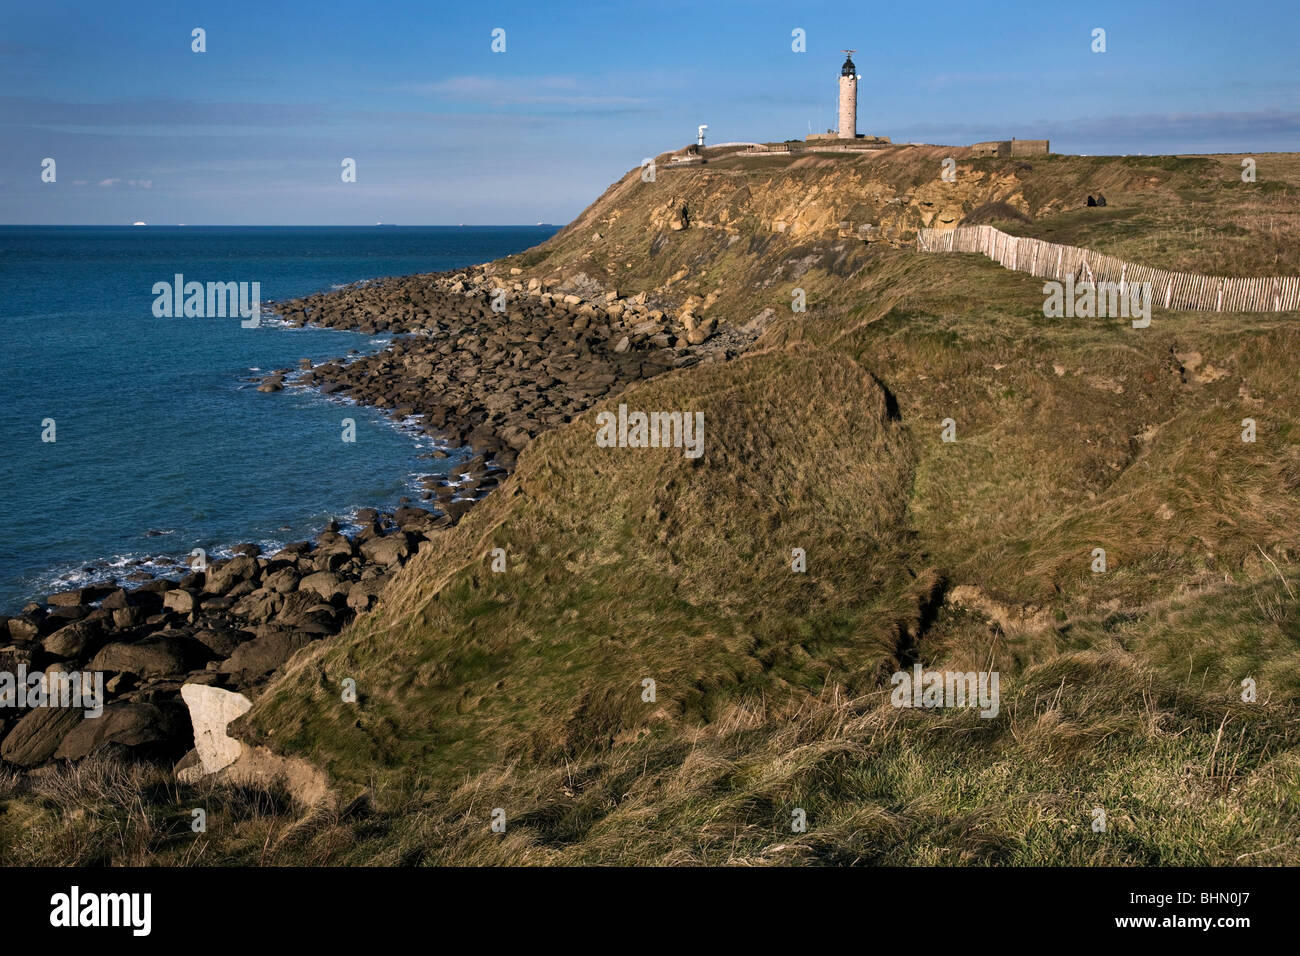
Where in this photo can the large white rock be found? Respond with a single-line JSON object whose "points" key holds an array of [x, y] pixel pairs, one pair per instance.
{"points": [[211, 709]]}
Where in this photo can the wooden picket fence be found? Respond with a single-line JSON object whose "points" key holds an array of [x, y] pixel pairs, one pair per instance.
{"points": [[1172, 290]]}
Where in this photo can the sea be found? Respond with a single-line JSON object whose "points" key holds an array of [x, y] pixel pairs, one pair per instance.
{"points": [[128, 440]]}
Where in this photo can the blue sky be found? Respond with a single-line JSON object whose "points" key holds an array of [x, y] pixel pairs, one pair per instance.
{"points": [[443, 130]]}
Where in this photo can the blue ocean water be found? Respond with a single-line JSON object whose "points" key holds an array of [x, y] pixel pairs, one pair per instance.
{"points": [[162, 443]]}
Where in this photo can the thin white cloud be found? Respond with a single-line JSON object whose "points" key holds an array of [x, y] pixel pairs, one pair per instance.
{"points": [[533, 91]]}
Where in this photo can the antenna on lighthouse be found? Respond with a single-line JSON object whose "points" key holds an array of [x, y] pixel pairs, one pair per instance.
{"points": [[700, 141]]}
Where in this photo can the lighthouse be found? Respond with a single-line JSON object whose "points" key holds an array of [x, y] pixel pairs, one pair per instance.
{"points": [[848, 128], [848, 116]]}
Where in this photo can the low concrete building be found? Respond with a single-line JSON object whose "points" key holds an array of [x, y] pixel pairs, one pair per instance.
{"points": [[1013, 147]]}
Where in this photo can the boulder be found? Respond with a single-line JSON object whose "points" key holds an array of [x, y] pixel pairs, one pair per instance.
{"points": [[328, 561], [182, 600], [260, 606], [63, 615], [72, 641], [241, 589], [318, 620], [328, 585], [222, 579], [333, 550], [24, 629], [75, 596], [270, 649], [141, 597], [36, 737], [390, 550], [211, 709], [409, 519], [458, 507], [364, 594], [128, 617], [15, 656], [221, 641], [292, 551], [162, 655], [284, 581], [149, 730], [118, 599]]}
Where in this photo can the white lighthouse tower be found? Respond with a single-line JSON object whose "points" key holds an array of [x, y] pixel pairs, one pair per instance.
{"points": [[848, 128]]}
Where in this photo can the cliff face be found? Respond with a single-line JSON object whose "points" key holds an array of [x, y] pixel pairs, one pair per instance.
{"points": [[881, 194], [739, 233]]}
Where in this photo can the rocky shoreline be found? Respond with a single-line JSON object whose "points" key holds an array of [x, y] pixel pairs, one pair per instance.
{"points": [[478, 360], [494, 380]]}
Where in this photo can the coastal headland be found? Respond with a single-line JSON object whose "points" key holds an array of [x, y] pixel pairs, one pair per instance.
{"points": [[638, 656]]}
